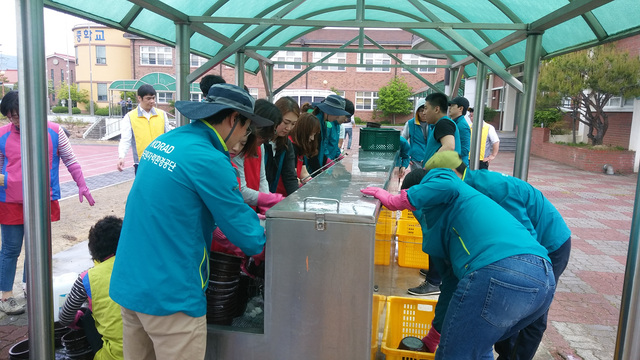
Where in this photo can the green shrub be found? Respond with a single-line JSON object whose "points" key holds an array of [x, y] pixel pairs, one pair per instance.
{"points": [[75, 110], [550, 118], [359, 121], [102, 111], [60, 109]]}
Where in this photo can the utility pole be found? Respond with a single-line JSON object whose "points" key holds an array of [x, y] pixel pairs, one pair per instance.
{"points": [[90, 75], [70, 103]]}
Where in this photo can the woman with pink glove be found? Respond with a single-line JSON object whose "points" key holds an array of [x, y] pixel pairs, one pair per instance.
{"points": [[11, 218]]}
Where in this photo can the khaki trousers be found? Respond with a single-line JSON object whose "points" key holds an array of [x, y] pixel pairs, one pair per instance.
{"points": [[171, 337]]}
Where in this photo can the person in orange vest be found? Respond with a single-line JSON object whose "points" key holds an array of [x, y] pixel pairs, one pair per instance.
{"points": [[140, 126], [490, 142]]}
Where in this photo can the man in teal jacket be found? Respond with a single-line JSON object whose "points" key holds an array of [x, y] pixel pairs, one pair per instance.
{"points": [[529, 206], [498, 279], [184, 189]]}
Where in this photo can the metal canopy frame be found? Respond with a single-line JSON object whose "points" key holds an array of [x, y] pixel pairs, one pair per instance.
{"points": [[473, 35]]}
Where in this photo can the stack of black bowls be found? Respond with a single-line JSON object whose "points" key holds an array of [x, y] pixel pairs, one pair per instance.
{"points": [[224, 284], [58, 332], [77, 345]]}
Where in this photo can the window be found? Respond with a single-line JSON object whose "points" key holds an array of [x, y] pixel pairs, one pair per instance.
{"points": [[155, 55], [61, 75], [617, 101], [196, 97], [337, 58], [77, 57], [71, 78], [164, 97], [101, 54], [102, 92], [52, 75], [381, 59], [413, 59], [197, 61], [288, 56], [366, 100], [254, 92]]}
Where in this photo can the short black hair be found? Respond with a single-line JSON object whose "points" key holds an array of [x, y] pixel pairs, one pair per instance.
{"points": [[104, 236], [348, 107], [414, 177], [438, 99], [208, 81], [9, 103], [145, 90], [470, 109]]}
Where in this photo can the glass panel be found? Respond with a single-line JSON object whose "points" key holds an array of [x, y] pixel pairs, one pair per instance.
{"points": [[102, 92], [534, 10], [101, 54], [482, 11]]}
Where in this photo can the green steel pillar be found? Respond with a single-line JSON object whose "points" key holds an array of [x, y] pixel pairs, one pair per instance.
{"points": [[183, 46], [240, 68], [526, 111], [269, 69], [478, 115], [35, 175]]}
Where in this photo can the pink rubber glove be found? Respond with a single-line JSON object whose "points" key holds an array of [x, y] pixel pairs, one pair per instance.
{"points": [[267, 200], [391, 202], [83, 191], [432, 339], [76, 320]]}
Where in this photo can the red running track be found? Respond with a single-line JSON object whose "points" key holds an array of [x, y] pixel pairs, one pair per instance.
{"points": [[95, 160]]}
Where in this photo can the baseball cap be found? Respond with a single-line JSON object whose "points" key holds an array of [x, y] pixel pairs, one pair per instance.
{"points": [[460, 101], [444, 159]]}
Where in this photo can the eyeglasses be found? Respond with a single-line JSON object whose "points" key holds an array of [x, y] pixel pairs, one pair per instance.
{"points": [[249, 131]]}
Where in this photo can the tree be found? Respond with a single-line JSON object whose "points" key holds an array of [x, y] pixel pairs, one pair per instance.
{"points": [[79, 96], [591, 78], [393, 99]]}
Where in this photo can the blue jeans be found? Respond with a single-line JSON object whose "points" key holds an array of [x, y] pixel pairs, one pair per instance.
{"points": [[12, 237], [493, 303], [348, 132], [523, 345]]}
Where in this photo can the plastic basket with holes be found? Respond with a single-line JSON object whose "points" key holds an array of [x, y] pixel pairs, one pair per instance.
{"points": [[406, 317]]}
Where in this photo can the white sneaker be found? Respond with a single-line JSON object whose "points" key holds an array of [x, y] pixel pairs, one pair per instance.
{"points": [[11, 307]]}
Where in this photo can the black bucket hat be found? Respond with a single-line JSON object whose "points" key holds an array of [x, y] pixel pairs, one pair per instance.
{"points": [[333, 105], [221, 97]]}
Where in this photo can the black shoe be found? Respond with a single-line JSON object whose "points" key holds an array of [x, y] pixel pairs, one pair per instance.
{"points": [[425, 288], [423, 272]]}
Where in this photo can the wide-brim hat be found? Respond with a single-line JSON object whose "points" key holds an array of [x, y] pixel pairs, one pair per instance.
{"points": [[222, 97], [333, 105]]}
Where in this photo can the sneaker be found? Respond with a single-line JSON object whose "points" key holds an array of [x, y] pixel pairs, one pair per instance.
{"points": [[425, 288], [11, 307], [424, 272]]}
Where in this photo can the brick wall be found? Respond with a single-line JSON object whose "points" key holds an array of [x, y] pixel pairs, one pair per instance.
{"points": [[585, 159], [618, 131]]}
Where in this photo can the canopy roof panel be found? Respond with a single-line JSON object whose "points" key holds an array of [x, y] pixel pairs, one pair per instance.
{"points": [[498, 28]]}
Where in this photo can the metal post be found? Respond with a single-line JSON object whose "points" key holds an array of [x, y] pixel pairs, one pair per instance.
{"points": [[70, 103], [183, 37], [240, 68], [628, 340], [35, 175], [269, 68], [525, 113], [478, 115], [90, 75]]}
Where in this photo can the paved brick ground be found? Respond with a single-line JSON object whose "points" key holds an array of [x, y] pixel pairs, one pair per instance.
{"points": [[584, 315]]}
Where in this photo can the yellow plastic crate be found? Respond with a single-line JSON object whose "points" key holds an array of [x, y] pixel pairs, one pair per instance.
{"points": [[378, 305], [410, 252], [409, 227], [382, 252], [406, 317], [386, 213], [385, 226], [407, 214]]}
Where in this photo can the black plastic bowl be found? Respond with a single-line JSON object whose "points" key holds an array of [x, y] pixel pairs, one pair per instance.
{"points": [[20, 350]]}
